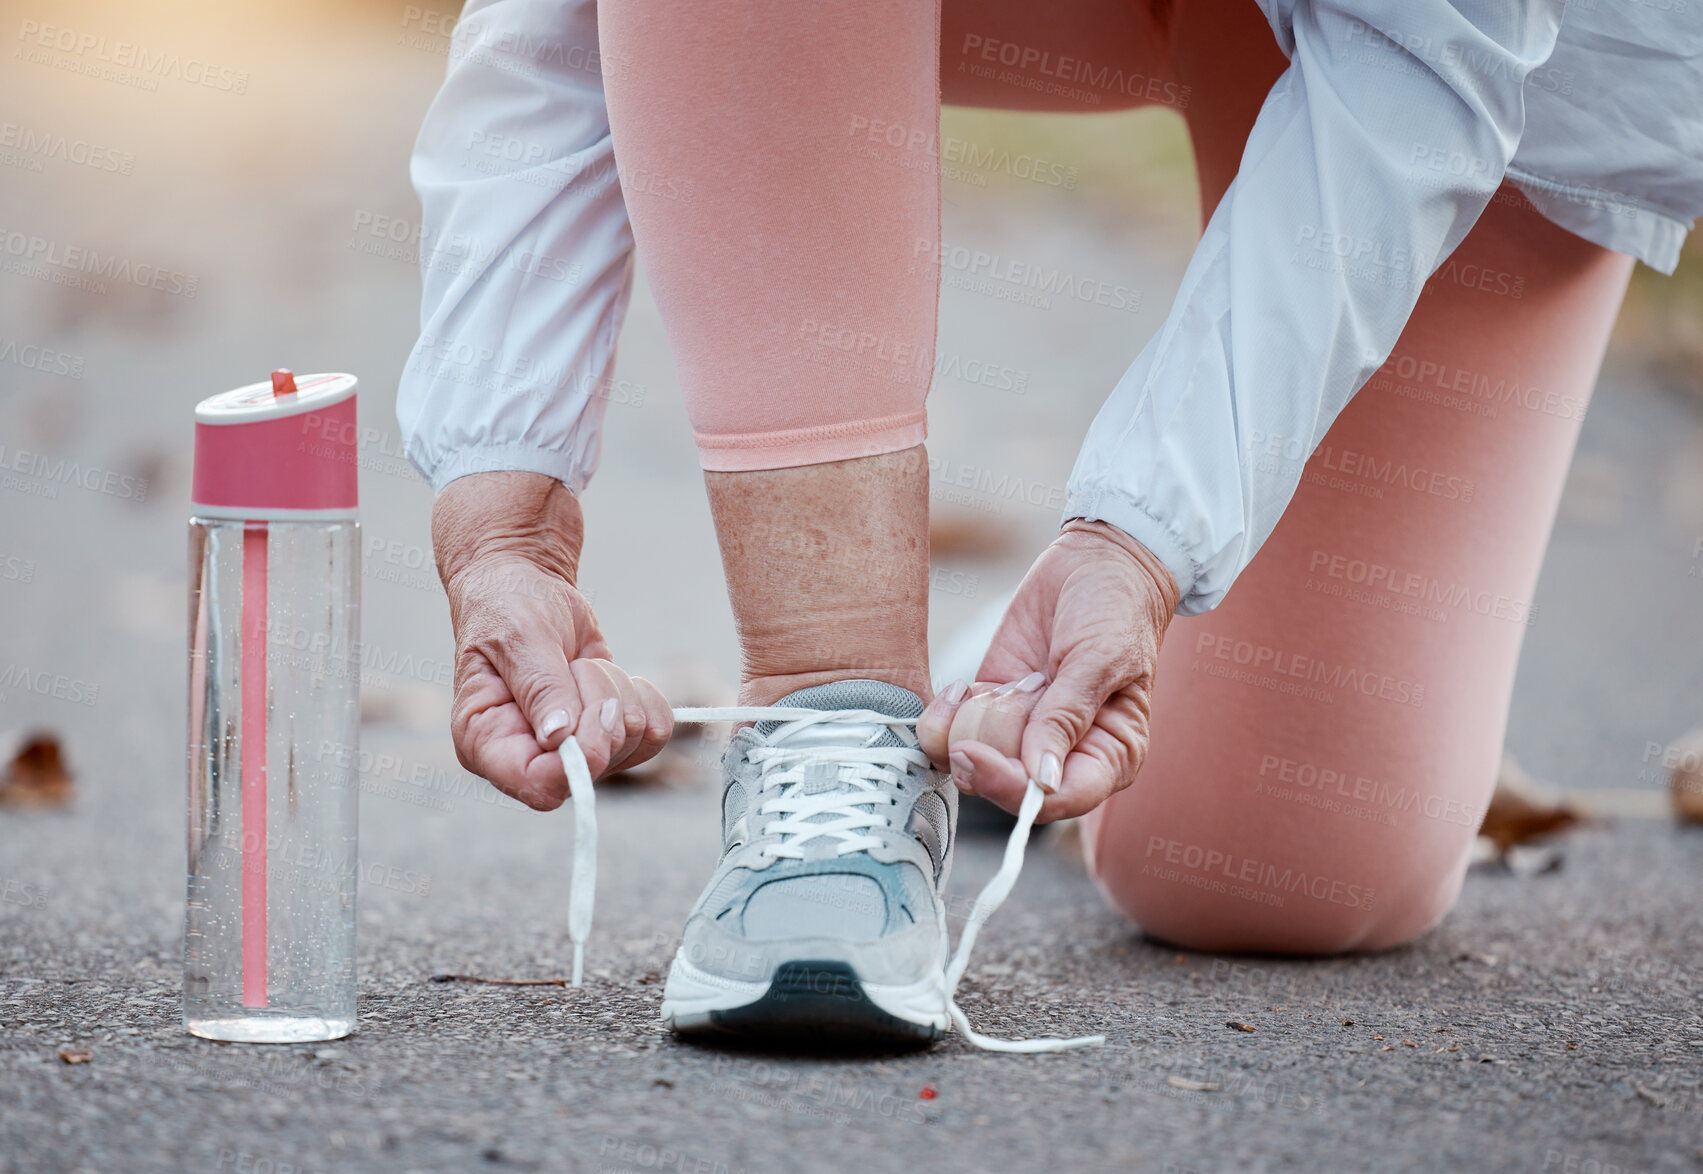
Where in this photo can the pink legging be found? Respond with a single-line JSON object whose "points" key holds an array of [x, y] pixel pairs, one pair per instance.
{"points": [[799, 288]]}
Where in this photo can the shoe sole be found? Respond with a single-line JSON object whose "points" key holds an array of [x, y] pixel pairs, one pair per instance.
{"points": [[807, 1000]]}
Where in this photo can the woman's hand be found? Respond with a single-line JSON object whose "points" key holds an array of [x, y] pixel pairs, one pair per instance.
{"points": [[1078, 648], [531, 665]]}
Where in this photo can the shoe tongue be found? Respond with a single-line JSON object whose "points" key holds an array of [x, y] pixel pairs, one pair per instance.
{"points": [[877, 696]]}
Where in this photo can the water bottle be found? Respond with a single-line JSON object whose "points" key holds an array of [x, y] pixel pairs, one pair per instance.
{"points": [[274, 713]]}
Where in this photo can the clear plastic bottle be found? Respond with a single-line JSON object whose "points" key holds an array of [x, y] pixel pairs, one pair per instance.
{"points": [[274, 708]]}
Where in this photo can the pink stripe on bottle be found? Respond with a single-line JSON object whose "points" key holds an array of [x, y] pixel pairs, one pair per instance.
{"points": [[254, 764]]}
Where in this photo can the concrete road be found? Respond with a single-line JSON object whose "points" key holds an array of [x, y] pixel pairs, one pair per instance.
{"points": [[1551, 1024]]}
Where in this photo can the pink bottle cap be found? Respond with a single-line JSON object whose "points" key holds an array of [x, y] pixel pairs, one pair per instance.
{"points": [[282, 450]]}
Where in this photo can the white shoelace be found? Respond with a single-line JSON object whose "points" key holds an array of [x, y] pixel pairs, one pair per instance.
{"points": [[864, 769]]}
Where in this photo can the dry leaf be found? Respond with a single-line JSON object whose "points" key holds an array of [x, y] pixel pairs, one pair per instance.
{"points": [[1523, 809], [1685, 783], [414, 705], [967, 535], [1348, 1023], [1232, 1024], [1188, 1085], [76, 1055], [36, 776]]}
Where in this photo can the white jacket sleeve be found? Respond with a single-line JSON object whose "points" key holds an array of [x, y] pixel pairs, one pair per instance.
{"points": [[1308, 269], [525, 250]]}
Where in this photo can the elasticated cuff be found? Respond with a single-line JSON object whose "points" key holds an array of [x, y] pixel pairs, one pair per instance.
{"points": [[745, 452], [565, 467], [1155, 535]]}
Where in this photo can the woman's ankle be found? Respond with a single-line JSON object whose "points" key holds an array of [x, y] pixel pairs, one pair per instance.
{"points": [[767, 690], [827, 571]]}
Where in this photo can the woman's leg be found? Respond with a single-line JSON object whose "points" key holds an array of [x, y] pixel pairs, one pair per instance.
{"points": [[780, 166], [1084, 55], [1325, 741]]}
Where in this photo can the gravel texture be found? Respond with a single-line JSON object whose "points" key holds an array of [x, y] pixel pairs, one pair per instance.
{"points": [[1551, 1024]]}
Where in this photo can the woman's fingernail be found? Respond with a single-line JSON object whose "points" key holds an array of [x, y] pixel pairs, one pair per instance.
{"points": [[962, 770], [1050, 773], [553, 721], [956, 692], [610, 715], [1027, 685]]}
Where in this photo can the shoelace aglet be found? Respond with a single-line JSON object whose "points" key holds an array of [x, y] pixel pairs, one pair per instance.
{"points": [[582, 887]]}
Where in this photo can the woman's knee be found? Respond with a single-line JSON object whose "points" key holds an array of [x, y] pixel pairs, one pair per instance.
{"points": [[1223, 886], [1311, 786]]}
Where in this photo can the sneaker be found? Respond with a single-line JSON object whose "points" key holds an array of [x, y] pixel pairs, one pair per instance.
{"points": [[824, 918]]}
